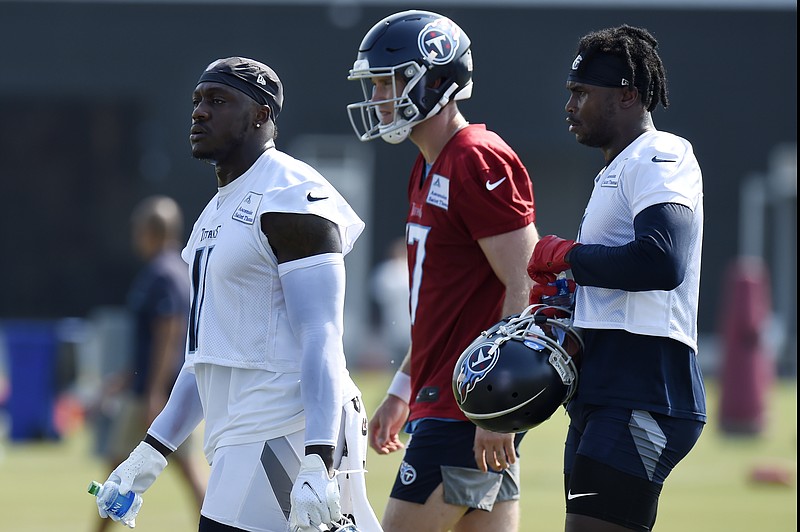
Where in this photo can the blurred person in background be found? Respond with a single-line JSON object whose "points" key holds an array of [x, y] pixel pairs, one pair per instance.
{"points": [[158, 302], [469, 233], [389, 286]]}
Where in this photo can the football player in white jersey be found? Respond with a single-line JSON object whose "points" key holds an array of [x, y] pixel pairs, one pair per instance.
{"points": [[285, 428], [640, 404]]}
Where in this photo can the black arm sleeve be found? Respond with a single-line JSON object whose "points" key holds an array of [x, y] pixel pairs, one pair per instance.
{"points": [[655, 260]]}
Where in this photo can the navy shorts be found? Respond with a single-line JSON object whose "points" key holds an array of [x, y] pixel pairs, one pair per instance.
{"points": [[616, 461], [440, 452]]}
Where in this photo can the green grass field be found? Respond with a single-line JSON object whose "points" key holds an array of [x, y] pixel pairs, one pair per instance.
{"points": [[43, 485]]}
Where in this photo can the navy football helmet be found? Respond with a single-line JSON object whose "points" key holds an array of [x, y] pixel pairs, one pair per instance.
{"points": [[515, 375], [429, 52]]}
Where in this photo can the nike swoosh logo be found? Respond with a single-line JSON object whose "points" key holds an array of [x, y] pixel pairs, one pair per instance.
{"points": [[312, 490], [571, 495], [492, 186], [655, 159], [309, 197]]}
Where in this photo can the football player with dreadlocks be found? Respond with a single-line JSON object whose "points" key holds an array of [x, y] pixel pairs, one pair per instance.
{"points": [[640, 404], [470, 231]]}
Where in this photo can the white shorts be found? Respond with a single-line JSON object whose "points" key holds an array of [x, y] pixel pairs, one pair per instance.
{"points": [[250, 484]]}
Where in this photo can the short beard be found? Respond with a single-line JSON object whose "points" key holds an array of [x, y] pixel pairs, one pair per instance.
{"points": [[205, 157], [214, 157], [602, 135]]}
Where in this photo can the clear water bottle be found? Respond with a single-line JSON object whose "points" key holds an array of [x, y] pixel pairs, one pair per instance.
{"points": [[119, 507]]}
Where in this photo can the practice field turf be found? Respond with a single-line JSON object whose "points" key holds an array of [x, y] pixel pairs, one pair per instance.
{"points": [[43, 485]]}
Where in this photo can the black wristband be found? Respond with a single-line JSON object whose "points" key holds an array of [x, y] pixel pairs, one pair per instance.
{"points": [[324, 451], [157, 445]]}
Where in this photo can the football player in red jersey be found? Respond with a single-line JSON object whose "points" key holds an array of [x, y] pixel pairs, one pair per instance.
{"points": [[470, 231]]}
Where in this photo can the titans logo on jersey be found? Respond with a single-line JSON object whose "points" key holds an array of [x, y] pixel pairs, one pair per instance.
{"points": [[474, 368]]}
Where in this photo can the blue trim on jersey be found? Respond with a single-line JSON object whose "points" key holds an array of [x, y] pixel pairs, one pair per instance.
{"points": [[412, 425], [655, 260]]}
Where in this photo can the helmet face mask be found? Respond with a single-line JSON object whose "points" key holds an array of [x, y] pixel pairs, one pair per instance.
{"points": [[404, 112], [429, 53], [516, 374]]}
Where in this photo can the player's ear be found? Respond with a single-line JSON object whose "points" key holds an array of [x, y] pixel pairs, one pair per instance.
{"points": [[629, 97], [263, 113]]}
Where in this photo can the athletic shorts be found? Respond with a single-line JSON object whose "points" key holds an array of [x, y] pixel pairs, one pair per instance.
{"points": [[616, 461], [250, 484], [440, 452]]}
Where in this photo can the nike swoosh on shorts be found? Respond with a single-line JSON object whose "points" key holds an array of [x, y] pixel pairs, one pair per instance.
{"points": [[571, 495]]}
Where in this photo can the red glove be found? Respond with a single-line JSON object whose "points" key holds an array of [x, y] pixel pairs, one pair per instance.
{"points": [[548, 258], [547, 290]]}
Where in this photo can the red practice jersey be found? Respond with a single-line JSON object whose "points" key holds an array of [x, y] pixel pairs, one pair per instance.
{"points": [[476, 188]]}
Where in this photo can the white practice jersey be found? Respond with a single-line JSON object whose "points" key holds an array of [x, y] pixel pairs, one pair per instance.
{"points": [[240, 345], [657, 167]]}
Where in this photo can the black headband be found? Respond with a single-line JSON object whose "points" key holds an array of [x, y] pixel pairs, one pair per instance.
{"points": [[250, 77], [600, 69]]}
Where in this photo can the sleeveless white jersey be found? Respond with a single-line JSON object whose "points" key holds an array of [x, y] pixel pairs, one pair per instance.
{"points": [[240, 345], [655, 168]]}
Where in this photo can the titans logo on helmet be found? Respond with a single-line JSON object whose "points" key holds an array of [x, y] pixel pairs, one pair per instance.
{"points": [[474, 368], [438, 41]]}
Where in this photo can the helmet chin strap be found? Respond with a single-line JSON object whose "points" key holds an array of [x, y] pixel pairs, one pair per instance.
{"points": [[397, 136]]}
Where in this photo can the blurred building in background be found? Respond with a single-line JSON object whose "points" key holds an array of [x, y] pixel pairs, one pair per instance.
{"points": [[96, 100]]}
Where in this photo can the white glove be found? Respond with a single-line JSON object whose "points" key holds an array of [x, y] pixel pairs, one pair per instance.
{"points": [[315, 497], [137, 473], [140, 470]]}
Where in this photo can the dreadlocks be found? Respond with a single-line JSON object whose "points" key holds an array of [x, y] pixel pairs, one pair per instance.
{"points": [[637, 46]]}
